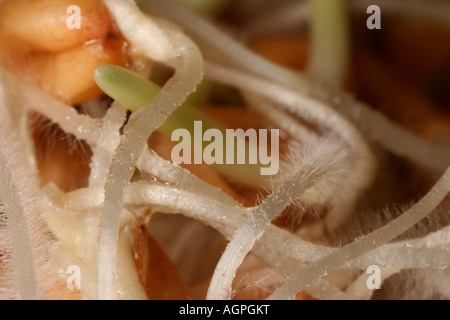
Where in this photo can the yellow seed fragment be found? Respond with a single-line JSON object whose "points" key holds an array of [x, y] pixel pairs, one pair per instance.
{"points": [[69, 75], [42, 25]]}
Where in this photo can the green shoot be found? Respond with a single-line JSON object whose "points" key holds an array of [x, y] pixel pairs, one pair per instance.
{"points": [[135, 92], [206, 7], [330, 41]]}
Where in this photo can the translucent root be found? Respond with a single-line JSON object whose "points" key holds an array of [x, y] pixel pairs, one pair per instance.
{"points": [[176, 50], [314, 166], [368, 242], [372, 124], [314, 112]]}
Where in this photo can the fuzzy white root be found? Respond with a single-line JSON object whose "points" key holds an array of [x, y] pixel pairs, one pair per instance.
{"points": [[248, 229], [177, 51], [317, 113], [311, 165], [153, 164], [369, 242], [17, 200], [81, 126], [372, 124]]}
